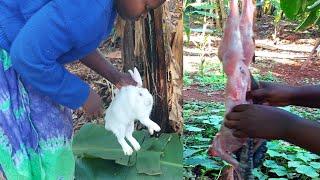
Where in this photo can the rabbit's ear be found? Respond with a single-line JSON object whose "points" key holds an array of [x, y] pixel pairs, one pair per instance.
{"points": [[137, 77], [131, 73]]}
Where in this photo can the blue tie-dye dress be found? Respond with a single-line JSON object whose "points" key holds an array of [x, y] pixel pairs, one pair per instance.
{"points": [[35, 132]]}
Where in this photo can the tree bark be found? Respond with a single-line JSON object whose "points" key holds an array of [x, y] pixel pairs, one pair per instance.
{"points": [[223, 12]]}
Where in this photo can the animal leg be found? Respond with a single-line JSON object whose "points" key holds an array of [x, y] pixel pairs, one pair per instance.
{"points": [[127, 150], [152, 126], [131, 139]]}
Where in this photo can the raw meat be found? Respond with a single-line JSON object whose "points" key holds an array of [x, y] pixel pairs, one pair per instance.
{"points": [[236, 52]]}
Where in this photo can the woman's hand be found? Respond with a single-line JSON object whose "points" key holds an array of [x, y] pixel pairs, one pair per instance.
{"points": [[258, 121], [93, 105], [125, 79], [272, 94]]}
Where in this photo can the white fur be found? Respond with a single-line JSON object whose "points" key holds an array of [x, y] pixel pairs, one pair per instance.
{"points": [[130, 103]]}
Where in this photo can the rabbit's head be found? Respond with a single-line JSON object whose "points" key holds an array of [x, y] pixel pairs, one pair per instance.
{"points": [[140, 100], [139, 97]]}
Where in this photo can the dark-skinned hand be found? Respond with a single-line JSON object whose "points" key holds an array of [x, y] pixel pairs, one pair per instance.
{"points": [[125, 80], [272, 94], [259, 121], [93, 106]]}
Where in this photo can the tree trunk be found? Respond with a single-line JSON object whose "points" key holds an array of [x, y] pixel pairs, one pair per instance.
{"points": [[223, 12], [217, 12], [154, 46]]}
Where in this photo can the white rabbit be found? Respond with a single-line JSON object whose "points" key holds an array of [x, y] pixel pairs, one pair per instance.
{"points": [[129, 104]]}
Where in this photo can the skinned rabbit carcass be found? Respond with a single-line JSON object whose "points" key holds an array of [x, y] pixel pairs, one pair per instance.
{"points": [[236, 52], [129, 104]]}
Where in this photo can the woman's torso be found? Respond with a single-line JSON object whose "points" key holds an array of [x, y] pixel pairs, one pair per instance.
{"points": [[88, 22]]}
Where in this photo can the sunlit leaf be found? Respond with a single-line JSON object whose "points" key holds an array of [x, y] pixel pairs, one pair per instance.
{"points": [[314, 6], [291, 8], [193, 128], [311, 19], [203, 161], [308, 171], [294, 163], [315, 165]]}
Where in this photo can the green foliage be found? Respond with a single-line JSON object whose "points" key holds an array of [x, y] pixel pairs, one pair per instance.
{"points": [[208, 118], [290, 8], [99, 156], [198, 11], [266, 77], [203, 120], [305, 11], [211, 76], [187, 81], [283, 160]]}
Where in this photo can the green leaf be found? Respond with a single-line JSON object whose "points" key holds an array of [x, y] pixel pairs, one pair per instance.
{"points": [[270, 163], [308, 171], [311, 19], [303, 6], [160, 143], [273, 153], [207, 6], [202, 139], [203, 161], [279, 170], [96, 168], [294, 163], [258, 174], [95, 141], [273, 145], [152, 165], [171, 159], [124, 160], [193, 128], [315, 165], [290, 157], [315, 6], [306, 156], [148, 162], [290, 7], [189, 152]]}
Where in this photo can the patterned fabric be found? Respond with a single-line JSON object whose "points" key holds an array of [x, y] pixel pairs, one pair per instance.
{"points": [[35, 133]]}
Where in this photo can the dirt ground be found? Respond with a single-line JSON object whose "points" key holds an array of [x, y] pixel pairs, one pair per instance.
{"points": [[282, 56]]}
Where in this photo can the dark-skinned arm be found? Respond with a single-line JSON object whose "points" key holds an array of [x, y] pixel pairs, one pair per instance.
{"points": [[275, 94], [307, 96], [304, 133], [100, 65], [267, 122]]}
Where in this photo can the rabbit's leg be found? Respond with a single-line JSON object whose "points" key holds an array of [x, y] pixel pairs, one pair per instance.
{"points": [[152, 126], [125, 146], [131, 139]]}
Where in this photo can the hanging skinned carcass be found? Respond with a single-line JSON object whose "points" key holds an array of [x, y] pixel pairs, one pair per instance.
{"points": [[236, 52]]}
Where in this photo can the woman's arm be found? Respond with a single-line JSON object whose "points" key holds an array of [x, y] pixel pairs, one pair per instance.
{"points": [[266, 122], [304, 133], [307, 96], [282, 95], [99, 64]]}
